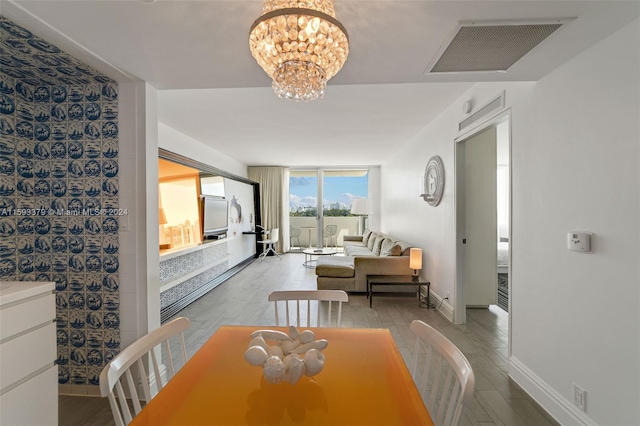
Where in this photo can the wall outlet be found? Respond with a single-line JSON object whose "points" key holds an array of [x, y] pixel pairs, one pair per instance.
{"points": [[448, 295], [579, 397]]}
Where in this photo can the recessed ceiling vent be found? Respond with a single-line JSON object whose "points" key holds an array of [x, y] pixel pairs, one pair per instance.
{"points": [[490, 46]]}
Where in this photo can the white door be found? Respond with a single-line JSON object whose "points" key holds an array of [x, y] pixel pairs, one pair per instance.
{"points": [[480, 210]]}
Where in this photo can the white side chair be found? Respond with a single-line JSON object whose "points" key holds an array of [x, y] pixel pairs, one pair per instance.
{"points": [[330, 232], [268, 243], [445, 378], [294, 233], [309, 298], [131, 360]]}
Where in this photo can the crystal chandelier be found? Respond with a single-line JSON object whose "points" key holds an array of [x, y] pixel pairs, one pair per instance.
{"points": [[300, 45]]}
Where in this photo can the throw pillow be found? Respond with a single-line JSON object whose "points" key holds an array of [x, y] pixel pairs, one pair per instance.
{"points": [[372, 239], [389, 248], [365, 236], [377, 244]]}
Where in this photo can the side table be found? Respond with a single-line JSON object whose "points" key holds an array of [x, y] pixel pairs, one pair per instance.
{"points": [[387, 280]]}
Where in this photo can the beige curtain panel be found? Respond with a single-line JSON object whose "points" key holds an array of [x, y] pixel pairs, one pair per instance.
{"points": [[274, 195]]}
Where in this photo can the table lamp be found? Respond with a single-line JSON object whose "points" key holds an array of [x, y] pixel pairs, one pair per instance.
{"points": [[415, 262], [162, 221], [363, 208]]}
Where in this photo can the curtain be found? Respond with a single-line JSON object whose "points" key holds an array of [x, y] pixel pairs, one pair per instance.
{"points": [[274, 194]]}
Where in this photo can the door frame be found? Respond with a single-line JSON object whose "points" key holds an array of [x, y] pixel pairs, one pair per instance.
{"points": [[460, 313]]}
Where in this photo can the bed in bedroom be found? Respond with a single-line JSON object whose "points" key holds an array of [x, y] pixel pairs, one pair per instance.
{"points": [[503, 275]]}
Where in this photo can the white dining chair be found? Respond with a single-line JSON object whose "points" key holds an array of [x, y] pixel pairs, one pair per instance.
{"points": [[312, 300], [268, 243], [445, 379], [123, 376]]}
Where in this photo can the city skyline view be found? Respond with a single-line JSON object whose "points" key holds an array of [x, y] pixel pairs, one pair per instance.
{"points": [[338, 191]]}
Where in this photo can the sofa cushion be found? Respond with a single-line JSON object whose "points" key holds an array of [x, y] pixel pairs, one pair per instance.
{"points": [[371, 240], [390, 248], [406, 248], [378, 244], [347, 244], [335, 266], [365, 236], [357, 251]]}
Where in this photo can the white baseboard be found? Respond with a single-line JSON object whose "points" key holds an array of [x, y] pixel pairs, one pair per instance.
{"points": [[443, 307], [555, 404]]}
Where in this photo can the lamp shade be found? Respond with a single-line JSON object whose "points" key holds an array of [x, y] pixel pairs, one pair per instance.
{"points": [[415, 258], [361, 206], [162, 218]]}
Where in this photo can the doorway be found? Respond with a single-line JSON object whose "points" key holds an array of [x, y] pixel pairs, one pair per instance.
{"points": [[483, 217]]}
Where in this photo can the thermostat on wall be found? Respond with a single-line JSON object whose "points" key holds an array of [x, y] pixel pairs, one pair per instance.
{"points": [[579, 241]]}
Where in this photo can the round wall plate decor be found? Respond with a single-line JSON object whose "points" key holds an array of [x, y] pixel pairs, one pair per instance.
{"points": [[433, 181]]}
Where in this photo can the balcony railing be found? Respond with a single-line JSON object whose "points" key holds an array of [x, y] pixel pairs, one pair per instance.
{"points": [[347, 225]]}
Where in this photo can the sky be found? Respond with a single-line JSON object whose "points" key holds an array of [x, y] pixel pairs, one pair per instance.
{"points": [[303, 190]]}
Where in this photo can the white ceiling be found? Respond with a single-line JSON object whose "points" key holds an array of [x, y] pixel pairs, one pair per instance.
{"points": [[196, 54]]}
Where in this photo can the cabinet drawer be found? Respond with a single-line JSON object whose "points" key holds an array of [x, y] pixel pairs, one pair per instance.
{"points": [[28, 353], [34, 402], [23, 316]]}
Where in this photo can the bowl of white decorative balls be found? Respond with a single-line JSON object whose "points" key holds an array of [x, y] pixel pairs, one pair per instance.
{"points": [[286, 357]]}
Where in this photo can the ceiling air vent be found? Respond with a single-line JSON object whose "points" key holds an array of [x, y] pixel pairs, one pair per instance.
{"points": [[490, 46]]}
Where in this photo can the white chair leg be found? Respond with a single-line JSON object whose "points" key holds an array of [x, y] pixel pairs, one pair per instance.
{"points": [[266, 252]]}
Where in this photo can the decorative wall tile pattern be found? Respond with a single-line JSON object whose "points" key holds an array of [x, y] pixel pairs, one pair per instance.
{"points": [[192, 284], [174, 268], [178, 266], [59, 214]]}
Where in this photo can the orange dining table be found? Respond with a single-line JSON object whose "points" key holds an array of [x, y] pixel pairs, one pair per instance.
{"points": [[364, 382]]}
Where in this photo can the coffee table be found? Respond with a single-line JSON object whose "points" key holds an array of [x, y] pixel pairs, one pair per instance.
{"points": [[391, 280], [310, 252]]}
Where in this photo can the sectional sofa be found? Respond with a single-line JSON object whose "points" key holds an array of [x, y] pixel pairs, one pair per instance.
{"points": [[372, 253]]}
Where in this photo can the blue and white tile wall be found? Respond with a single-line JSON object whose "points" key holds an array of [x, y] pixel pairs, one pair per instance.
{"points": [[59, 210]]}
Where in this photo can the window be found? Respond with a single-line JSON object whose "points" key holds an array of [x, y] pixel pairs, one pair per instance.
{"points": [[309, 217]]}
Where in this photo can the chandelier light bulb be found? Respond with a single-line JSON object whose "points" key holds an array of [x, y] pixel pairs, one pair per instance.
{"points": [[300, 45]]}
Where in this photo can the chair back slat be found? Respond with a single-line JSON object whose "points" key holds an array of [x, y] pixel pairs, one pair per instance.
{"points": [[156, 373], [142, 375], [170, 371], [451, 409], [307, 297], [123, 403], [133, 392], [121, 369], [117, 415], [445, 379]]}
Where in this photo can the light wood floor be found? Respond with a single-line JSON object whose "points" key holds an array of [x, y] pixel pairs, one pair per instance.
{"points": [[242, 300]]}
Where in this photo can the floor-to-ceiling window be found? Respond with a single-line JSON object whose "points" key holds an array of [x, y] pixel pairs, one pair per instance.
{"points": [[320, 203]]}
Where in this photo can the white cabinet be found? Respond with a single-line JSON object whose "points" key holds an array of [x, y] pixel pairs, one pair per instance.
{"points": [[28, 375]]}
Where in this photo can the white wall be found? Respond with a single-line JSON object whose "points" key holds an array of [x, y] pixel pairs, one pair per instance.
{"points": [[576, 316], [406, 215], [139, 300], [576, 160], [179, 143], [241, 246]]}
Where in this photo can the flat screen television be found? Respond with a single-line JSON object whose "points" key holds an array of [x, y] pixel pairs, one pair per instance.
{"points": [[215, 217]]}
